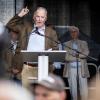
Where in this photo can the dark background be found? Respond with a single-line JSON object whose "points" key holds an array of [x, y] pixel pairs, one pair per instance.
{"points": [[82, 13]]}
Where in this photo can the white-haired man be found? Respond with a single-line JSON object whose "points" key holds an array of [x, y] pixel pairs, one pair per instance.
{"points": [[31, 41], [76, 69]]}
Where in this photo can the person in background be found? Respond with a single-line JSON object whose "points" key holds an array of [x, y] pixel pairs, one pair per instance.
{"points": [[13, 72], [58, 66], [29, 40], [77, 69], [12, 91], [50, 88], [4, 41]]}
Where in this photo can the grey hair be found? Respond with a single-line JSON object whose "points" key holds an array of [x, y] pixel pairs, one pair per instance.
{"points": [[73, 28], [41, 8]]}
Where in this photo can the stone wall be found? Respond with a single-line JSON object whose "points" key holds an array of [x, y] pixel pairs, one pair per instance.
{"points": [[7, 9]]}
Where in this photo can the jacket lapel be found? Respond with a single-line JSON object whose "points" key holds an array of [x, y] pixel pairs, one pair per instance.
{"points": [[46, 39]]}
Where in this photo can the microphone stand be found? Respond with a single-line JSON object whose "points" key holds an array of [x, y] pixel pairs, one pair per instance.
{"points": [[77, 66], [78, 52], [77, 56], [37, 32]]}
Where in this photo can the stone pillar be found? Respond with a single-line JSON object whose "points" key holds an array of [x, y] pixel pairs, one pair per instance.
{"points": [[7, 10]]}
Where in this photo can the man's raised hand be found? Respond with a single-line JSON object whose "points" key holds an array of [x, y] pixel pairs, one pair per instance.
{"points": [[23, 12]]}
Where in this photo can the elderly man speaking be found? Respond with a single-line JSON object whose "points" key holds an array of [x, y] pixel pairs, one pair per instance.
{"points": [[29, 40]]}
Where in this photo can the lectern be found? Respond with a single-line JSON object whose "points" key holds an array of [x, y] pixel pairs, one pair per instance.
{"points": [[43, 58]]}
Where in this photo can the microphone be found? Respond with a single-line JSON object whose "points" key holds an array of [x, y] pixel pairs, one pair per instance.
{"points": [[36, 29], [37, 32]]}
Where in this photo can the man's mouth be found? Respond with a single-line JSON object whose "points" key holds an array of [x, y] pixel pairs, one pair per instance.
{"points": [[39, 22]]}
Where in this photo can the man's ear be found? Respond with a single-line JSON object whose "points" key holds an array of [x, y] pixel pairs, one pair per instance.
{"points": [[46, 18], [33, 17]]}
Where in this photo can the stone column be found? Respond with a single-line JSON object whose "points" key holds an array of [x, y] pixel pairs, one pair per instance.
{"points": [[7, 10]]}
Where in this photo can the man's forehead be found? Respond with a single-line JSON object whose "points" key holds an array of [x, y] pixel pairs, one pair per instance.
{"points": [[74, 32], [41, 11]]}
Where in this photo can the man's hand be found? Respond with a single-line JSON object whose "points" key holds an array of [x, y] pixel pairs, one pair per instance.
{"points": [[15, 71], [23, 12], [75, 55]]}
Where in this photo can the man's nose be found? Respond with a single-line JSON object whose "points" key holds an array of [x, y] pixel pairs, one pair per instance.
{"points": [[38, 98], [39, 18]]}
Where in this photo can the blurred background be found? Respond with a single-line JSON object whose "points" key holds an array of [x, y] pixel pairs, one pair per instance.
{"points": [[62, 13], [81, 13]]}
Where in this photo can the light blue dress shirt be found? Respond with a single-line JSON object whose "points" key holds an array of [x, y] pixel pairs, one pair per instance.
{"points": [[36, 42], [75, 46]]}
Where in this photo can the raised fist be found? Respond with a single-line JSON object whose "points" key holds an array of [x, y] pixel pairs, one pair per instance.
{"points": [[23, 12]]}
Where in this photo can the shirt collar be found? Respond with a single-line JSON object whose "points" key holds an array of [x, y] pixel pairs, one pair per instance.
{"points": [[40, 29]]}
